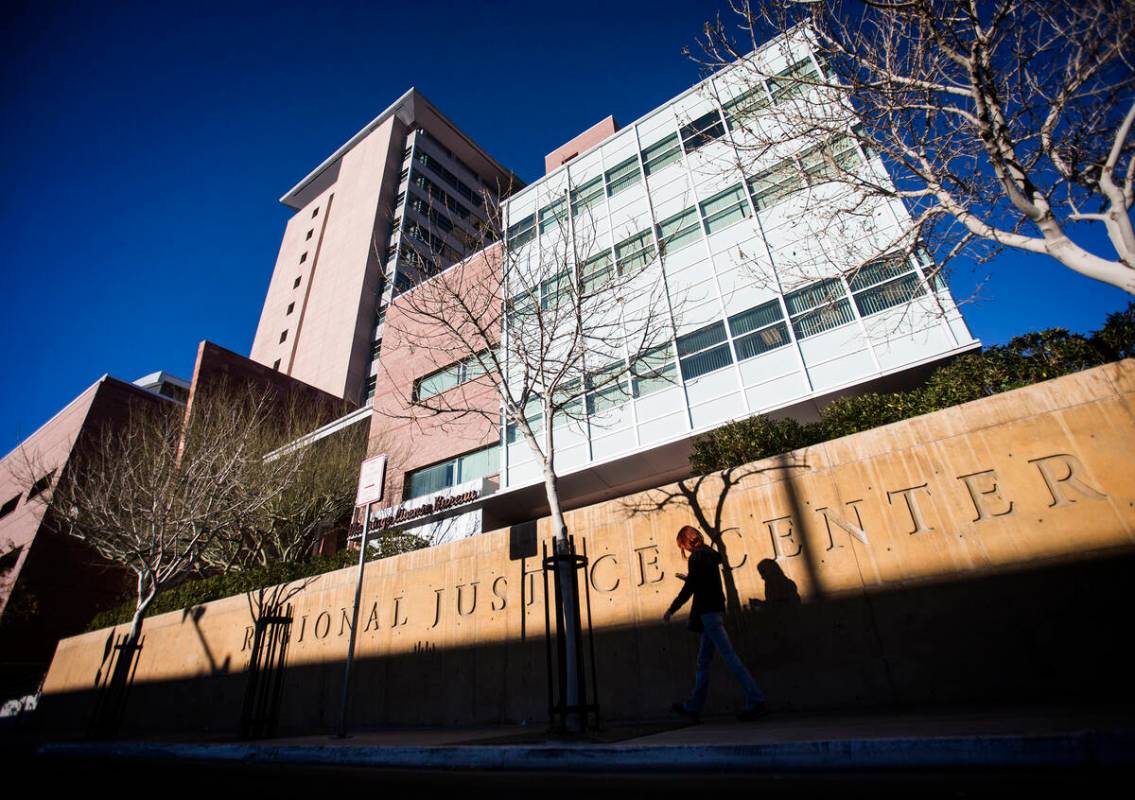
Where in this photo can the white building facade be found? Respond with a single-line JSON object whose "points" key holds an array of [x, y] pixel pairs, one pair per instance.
{"points": [[766, 316]]}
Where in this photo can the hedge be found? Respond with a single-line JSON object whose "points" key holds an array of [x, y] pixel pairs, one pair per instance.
{"points": [[1026, 359]]}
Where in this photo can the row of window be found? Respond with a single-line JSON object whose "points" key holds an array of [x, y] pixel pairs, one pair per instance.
{"points": [[817, 165], [439, 196], [784, 85], [655, 157], [447, 378], [436, 167], [433, 241], [812, 309], [430, 212], [422, 132], [606, 388], [468, 467]]}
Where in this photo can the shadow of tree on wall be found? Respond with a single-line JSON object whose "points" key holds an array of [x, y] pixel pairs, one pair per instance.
{"points": [[709, 507], [1043, 635]]}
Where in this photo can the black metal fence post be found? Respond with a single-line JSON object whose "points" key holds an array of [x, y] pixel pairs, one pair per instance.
{"points": [[586, 710]]}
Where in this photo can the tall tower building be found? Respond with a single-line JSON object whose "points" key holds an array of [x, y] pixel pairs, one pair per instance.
{"points": [[408, 182]]}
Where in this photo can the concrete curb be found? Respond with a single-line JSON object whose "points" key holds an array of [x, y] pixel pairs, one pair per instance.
{"points": [[1082, 749]]}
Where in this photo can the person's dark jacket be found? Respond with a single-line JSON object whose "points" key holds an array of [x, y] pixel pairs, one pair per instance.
{"points": [[703, 581]]}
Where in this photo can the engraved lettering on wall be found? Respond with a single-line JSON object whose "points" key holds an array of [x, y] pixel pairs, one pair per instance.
{"points": [[783, 536], [372, 620], [648, 569], [856, 528], [739, 547], [918, 521], [461, 610], [500, 587], [985, 495], [608, 580], [399, 618], [1059, 473], [437, 607], [323, 619]]}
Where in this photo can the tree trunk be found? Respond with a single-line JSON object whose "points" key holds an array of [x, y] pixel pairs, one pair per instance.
{"points": [[566, 576]]}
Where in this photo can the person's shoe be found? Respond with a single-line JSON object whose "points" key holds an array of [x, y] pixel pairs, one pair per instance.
{"points": [[682, 711], [753, 712]]}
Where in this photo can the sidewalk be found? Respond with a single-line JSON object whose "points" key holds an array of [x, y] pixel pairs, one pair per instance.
{"points": [[965, 739]]}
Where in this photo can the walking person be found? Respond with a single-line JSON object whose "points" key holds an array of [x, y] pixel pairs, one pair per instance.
{"points": [[703, 582]]}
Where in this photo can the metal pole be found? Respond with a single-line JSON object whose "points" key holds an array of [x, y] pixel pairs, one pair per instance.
{"points": [[342, 734]]}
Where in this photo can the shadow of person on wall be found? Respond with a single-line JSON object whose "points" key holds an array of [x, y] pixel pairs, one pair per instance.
{"points": [[779, 588]]}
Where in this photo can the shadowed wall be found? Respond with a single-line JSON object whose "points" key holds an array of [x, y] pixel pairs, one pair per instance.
{"points": [[975, 554]]}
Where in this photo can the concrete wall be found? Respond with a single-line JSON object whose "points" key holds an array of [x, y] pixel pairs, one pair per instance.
{"points": [[978, 554]]}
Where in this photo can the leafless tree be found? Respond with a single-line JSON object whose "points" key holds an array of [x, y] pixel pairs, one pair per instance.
{"points": [[322, 470], [1002, 124], [151, 494], [544, 330], [539, 335]]}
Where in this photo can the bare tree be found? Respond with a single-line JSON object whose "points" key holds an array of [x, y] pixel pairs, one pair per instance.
{"points": [[1001, 124], [544, 331], [322, 469], [152, 494], [539, 336]]}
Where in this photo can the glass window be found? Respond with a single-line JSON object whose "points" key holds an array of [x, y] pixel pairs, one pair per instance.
{"points": [[773, 185], [818, 307], [754, 318], [552, 215], [654, 371], [595, 272], [702, 131], [747, 105], [702, 351], [679, 231], [634, 253], [522, 304], [587, 195], [554, 289], [454, 375], [612, 388], [522, 232], [885, 268], [725, 209], [623, 176], [534, 414], [438, 382], [371, 382], [891, 293], [831, 162], [431, 479], [762, 341], [478, 464], [786, 83], [661, 154]]}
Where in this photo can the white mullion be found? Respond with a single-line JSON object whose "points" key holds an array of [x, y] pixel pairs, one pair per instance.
{"points": [[760, 230], [665, 281]]}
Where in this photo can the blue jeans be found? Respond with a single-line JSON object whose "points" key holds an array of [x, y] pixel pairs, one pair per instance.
{"points": [[714, 638]]}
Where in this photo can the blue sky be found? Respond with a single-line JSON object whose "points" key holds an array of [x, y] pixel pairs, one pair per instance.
{"points": [[145, 146]]}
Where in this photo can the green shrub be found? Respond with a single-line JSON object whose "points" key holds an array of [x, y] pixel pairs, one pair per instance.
{"points": [[1116, 339], [1026, 359], [1052, 353], [750, 439], [854, 413], [203, 590]]}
